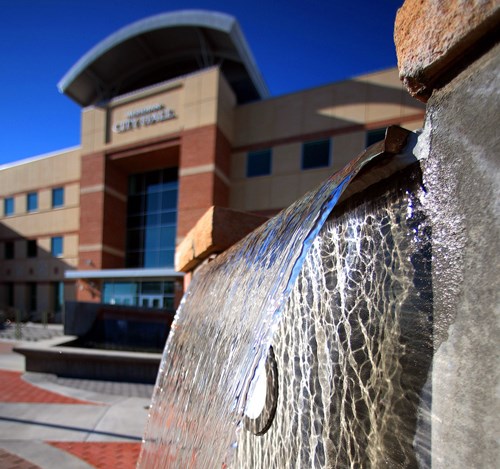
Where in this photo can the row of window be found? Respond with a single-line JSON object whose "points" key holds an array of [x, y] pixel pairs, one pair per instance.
{"points": [[56, 248], [32, 201], [315, 154], [31, 291]]}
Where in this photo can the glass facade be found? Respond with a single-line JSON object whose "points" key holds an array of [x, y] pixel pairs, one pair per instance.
{"points": [[152, 219], [146, 294]]}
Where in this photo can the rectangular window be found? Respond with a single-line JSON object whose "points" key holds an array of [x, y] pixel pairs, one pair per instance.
{"points": [[32, 202], [8, 206], [259, 163], [32, 296], [56, 246], [9, 250], [31, 248], [316, 154], [374, 136], [58, 197], [10, 294], [58, 295]]}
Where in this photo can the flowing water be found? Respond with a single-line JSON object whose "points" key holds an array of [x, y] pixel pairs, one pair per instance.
{"points": [[346, 370]]}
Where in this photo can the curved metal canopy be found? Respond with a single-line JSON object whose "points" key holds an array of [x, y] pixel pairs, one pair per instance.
{"points": [[162, 47]]}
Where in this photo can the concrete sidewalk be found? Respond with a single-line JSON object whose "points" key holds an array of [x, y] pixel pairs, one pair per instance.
{"points": [[50, 422]]}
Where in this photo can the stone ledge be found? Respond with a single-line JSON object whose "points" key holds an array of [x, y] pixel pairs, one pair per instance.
{"points": [[218, 229], [435, 37]]}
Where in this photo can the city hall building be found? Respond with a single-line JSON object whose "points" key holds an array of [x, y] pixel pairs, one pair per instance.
{"points": [[175, 118]]}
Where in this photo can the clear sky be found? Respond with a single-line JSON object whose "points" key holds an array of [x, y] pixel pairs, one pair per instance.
{"points": [[297, 44]]}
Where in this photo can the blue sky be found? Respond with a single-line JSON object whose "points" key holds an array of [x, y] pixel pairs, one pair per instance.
{"points": [[297, 44]]}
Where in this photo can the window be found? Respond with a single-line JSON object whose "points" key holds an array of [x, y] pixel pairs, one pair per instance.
{"points": [[259, 163], [58, 197], [31, 248], [58, 295], [316, 154], [374, 136], [56, 246], [32, 202], [9, 250], [8, 206], [32, 296], [10, 294], [152, 219]]}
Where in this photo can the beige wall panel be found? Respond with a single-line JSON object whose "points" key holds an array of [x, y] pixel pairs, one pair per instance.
{"points": [[389, 77], [20, 204], [191, 92], [312, 178], [258, 193], [349, 106], [44, 199], [20, 249], [237, 196], [93, 129], [71, 246], [253, 121], [411, 106], [288, 117], [238, 165], [314, 119], [413, 125], [209, 84], [170, 99], [225, 109], [44, 297], [72, 195], [286, 158], [284, 190], [53, 221], [44, 172], [20, 296], [346, 148]]}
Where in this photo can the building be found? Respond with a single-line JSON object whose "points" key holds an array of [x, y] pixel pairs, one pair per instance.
{"points": [[176, 117]]}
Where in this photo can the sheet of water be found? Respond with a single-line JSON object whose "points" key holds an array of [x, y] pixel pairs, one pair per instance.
{"points": [[223, 330]]}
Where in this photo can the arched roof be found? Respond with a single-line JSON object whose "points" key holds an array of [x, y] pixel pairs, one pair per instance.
{"points": [[162, 47]]}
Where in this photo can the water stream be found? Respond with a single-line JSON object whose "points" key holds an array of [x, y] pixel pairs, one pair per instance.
{"points": [[226, 324]]}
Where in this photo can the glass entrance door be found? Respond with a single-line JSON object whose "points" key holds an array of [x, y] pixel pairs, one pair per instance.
{"points": [[151, 301]]}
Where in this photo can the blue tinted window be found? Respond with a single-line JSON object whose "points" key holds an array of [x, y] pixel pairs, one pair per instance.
{"points": [[259, 163], [316, 154], [152, 219], [8, 206], [58, 197], [32, 202], [56, 246], [374, 136]]}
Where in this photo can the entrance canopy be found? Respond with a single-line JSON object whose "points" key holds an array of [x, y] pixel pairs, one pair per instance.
{"points": [[163, 47]]}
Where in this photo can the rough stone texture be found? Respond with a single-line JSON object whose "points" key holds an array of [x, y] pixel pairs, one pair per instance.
{"points": [[432, 36], [461, 173], [218, 229]]}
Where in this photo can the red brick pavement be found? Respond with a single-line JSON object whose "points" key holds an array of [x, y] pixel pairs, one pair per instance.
{"points": [[14, 389], [103, 455], [12, 461]]}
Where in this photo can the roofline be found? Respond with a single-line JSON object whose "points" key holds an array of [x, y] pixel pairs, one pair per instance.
{"points": [[201, 18], [31, 159]]}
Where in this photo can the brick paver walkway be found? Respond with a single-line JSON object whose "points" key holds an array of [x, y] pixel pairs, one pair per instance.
{"points": [[103, 455], [15, 389], [12, 461]]}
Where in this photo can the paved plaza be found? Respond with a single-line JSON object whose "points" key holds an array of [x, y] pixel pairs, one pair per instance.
{"points": [[49, 422]]}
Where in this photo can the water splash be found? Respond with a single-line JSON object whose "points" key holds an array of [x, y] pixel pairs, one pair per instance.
{"points": [[223, 330]]}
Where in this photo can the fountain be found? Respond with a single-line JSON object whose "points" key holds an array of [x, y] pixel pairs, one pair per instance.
{"points": [[357, 328]]}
